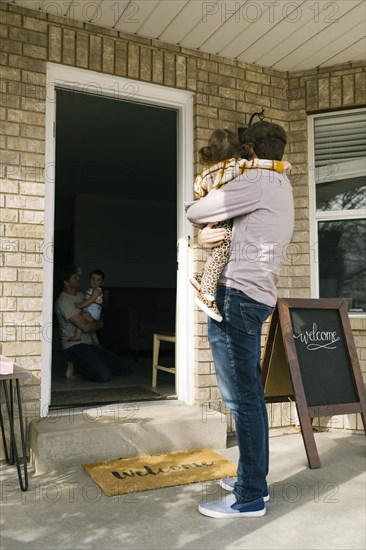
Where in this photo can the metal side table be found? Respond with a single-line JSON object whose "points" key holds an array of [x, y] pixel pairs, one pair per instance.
{"points": [[13, 457]]}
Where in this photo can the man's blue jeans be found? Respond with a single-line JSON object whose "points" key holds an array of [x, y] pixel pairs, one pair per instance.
{"points": [[95, 363], [236, 349]]}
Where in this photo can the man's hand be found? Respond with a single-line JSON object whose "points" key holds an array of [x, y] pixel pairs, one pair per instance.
{"points": [[86, 326], [79, 305], [209, 237], [94, 326]]}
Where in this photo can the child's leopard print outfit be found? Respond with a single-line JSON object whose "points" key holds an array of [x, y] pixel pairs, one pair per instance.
{"points": [[213, 176]]}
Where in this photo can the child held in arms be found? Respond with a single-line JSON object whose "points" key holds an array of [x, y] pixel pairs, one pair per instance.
{"points": [[222, 161], [92, 305]]}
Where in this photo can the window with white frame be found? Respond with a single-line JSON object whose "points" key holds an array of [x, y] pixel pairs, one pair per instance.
{"points": [[337, 154]]}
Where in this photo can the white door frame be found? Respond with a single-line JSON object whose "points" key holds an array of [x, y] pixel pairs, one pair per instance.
{"points": [[71, 78]]}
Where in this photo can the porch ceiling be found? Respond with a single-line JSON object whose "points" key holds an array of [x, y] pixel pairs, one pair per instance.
{"points": [[281, 34]]}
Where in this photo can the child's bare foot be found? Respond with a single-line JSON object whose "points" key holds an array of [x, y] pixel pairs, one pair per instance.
{"points": [[74, 338], [70, 372]]}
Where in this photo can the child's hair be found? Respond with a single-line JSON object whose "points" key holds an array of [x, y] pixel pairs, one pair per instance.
{"points": [[223, 144], [97, 272]]}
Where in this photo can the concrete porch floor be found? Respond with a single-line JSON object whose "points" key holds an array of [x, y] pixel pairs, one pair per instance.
{"points": [[309, 509]]}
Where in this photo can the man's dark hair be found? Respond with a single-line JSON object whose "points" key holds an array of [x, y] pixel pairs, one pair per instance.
{"points": [[268, 140], [68, 272], [97, 272]]}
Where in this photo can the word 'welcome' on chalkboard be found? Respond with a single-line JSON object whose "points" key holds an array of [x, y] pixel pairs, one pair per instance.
{"points": [[310, 357]]}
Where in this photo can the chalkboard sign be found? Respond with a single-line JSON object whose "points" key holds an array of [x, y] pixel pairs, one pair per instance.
{"points": [[321, 347], [310, 357]]}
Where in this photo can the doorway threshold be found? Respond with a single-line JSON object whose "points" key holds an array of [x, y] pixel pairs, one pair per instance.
{"points": [[106, 396], [103, 409]]}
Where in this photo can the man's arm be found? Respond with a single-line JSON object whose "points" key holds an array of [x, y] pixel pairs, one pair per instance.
{"points": [[85, 326], [236, 198], [95, 294]]}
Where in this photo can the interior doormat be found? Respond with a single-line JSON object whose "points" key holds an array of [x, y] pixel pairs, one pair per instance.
{"points": [[102, 396], [142, 473]]}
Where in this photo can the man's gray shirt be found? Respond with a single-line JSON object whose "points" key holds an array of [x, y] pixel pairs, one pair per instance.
{"points": [[65, 309], [261, 203]]}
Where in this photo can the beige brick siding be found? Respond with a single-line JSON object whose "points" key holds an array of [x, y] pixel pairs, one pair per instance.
{"points": [[227, 92]]}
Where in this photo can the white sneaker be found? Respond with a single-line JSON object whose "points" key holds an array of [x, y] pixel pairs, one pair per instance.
{"points": [[230, 508], [228, 483]]}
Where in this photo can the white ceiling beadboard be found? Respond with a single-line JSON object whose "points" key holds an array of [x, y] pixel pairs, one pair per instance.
{"points": [[321, 35], [285, 35], [159, 19], [126, 17]]}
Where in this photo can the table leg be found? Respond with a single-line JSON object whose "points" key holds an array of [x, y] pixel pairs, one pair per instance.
{"points": [[3, 436], [14, 456]]}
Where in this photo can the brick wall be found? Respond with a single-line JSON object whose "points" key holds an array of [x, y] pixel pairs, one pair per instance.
{"points": [[226, 91]]}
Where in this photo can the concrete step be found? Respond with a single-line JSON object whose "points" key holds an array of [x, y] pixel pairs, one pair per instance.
{"points": [[76, 437]]}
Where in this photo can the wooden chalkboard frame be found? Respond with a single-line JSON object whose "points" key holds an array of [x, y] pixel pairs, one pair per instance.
{"points": [[281, 320]]}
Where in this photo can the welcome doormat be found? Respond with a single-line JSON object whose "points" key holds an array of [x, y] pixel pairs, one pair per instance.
{"points": [[142, 473], [102, 396]]}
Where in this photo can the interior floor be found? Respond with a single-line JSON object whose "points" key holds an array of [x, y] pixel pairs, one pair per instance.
{"points": [[141, 375]]}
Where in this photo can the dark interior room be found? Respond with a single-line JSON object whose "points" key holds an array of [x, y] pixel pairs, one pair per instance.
{"points": [[116, 210]]}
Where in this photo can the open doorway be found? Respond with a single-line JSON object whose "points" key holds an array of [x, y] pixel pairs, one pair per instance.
{"points": [[116, 210]]}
